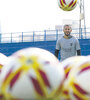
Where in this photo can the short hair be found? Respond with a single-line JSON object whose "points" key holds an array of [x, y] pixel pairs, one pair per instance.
{"points": [[67, 25]]}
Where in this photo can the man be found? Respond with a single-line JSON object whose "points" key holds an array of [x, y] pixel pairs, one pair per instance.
{"points": [[67, 44]]}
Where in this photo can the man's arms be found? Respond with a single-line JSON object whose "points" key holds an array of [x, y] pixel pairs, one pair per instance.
{"points": [[56, 53], [79, 52]]}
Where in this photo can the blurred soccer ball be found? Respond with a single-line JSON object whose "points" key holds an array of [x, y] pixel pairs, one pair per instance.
{"points": [[79, 81], [3, 60], [67, 5], [31, 74], [69, 64]]}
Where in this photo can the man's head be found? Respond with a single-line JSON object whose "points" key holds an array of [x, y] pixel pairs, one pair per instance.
{"points": [[67, 30]]}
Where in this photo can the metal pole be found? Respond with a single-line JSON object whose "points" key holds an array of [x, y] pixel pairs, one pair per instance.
{"points": [[22, 36], [80, 22], [84, 19]]}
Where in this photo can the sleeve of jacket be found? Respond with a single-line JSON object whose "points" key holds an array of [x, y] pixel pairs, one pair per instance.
{"points": [[79, 52], [56, 53]]}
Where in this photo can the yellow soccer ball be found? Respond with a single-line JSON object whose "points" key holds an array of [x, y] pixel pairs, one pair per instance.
{"points": [[31, 74], [67, 5], [69, 64]]}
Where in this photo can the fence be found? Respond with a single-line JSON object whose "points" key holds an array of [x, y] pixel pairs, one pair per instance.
{"points": [[46, 35]]}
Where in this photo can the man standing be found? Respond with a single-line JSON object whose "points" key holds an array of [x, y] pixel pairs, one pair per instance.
{"points": [[67, 44]]}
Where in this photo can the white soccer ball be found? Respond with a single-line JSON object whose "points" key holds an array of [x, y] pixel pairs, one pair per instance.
{"points": [[3, 60], [31, 74], [79, 81], [69, 64], [67, 5]]}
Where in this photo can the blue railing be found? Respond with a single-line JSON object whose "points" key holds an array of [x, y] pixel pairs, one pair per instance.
{"points": [[46, 35]]}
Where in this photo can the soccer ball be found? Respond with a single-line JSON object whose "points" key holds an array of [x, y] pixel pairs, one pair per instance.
{"points": [[79, 81], [31, 74], [67, 5], [43, 54], [68, 66], [3, 60]]}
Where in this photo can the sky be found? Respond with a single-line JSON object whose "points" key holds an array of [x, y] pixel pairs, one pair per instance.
{"points": [[36, 15]]}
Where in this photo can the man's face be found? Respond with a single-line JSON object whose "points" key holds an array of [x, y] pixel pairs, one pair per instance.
{"points": [[67, 30]]}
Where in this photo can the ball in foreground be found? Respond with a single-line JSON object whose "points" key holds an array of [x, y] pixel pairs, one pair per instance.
{"points": [[69, 64], [3, 60], [31, 73], [79, 81]]}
